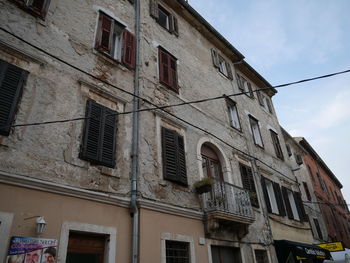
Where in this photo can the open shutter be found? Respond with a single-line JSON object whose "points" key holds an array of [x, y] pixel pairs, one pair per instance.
{"points": [[104, 33], [154, 12], [12, 80], [260, 98], [215, 57], [129, 46], [229, 70], [266, 195], [173, 73], [279, 200], [268, 103], [240, 83], [175, 26], [99, 135], [182, 175], [248, 183], [287, 203], [300, 206], [251, 94]]}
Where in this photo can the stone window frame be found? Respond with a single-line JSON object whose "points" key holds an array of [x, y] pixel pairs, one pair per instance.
{"points": [[176, 237], [111, 244], [260, 247]]}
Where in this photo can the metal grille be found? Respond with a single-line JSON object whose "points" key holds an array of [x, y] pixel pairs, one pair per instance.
{"points": [[177, 252]]}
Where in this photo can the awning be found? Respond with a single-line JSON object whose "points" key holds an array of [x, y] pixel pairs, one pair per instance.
{"points": [[299, 251]]}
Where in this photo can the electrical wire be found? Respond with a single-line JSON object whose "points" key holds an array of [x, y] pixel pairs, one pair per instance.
{"points": [[156, 107]]}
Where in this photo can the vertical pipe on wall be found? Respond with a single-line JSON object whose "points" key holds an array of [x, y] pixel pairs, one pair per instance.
{"points": [[135, 141]]}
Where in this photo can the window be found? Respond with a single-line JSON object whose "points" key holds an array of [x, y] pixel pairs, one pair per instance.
{"points": [[310, 172], [261, 256], [321, 182], [211, 163], [98, 145], [298, 159], [233, 114], [254, 124], [273, 197], [164, 18], [248, 183], [113, 40], [264, 102], [221, 64], [12, 80], [221, 254], [318, 229], [177, 252], [294, 205], [174, 160], [276, 144], [307, 192], [245, 86], [168, 70], [35, 7], [288, 150]]}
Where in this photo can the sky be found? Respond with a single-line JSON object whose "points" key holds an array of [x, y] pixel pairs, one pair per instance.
{"points": [[291, 40]]}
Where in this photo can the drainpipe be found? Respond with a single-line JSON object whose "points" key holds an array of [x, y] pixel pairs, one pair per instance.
{"points": [[135, 141]]}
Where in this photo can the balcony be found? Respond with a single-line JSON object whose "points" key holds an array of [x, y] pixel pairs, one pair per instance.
{"points": [[227, 207]]}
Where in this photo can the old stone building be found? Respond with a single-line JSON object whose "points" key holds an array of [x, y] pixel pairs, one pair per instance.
{"points": [[327, 190], [112, 174]]}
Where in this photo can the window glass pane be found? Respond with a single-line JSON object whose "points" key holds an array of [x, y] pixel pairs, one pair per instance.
{"points": [[163, 18]]}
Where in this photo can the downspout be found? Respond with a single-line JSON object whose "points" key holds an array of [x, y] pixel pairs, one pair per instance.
{"points": [[135, 141]]}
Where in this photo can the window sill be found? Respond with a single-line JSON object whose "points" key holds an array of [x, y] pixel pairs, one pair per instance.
{"points": [[163, 85], [236, 129], [110, 60], [259, 146]]}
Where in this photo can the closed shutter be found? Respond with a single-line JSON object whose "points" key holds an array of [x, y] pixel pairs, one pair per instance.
{"points": [[215, 58], [174, 160], [300, 206], [279, 200], [286, 203], [129, 48], [12, 80], [164, 67], [99, 135], [104, 33], [240, 83], [266, 195], [154, 12], [229, 70]]}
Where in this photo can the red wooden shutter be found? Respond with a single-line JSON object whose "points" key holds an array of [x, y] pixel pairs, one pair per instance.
{"points": [[173, 73], [129, 49], [164, 67], [104, 34], [12, 80], [266, 195]]}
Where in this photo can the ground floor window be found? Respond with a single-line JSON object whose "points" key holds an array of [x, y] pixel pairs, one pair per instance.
{"points": [[177, 252], [261, 256], [221, 254]]}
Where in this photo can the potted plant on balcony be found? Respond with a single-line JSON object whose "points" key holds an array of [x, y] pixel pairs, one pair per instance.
{"points": [[204, 185]]}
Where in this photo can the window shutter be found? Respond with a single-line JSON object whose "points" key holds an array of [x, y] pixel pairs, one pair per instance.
{"points": [[104, 33], [260, 98], [300, 206], [173, 73], [174, 163], [129, 46], [229, 70], [239, 82], [248, 184], [251, 94], [99, 135], [278, 195], [40, 6], [12, 80], [268, 103], [175, 26], [164, 67], [276, 144], [154, 9], [318, 229], [266, 196], [286, 203], [215, 57], [171, 23]]}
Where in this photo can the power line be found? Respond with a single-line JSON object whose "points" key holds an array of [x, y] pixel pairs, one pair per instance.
{"points": [[156, 107]]}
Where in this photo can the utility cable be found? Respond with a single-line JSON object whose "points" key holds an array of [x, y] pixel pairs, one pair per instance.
{"points": [[156, 107]]}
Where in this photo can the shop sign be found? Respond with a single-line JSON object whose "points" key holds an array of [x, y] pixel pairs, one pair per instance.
{"points": [[32, 250], [333, 246]]}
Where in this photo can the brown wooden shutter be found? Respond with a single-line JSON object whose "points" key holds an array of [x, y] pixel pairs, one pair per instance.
{"points": [[12, 80], [239, 82], [154, 11], [104, 33], [164, 67], [287, 203], [129, 49], [174, 161], [300, 206], [266, 195], [173, 73], [229, 70], [279, 200], [215, 57], [99, 135]]}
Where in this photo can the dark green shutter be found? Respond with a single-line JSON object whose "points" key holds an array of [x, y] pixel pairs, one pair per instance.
{"points": [[266, 195], [279, 200], [174, 160], [12, 80], [300, 206], [287, 203], [248, 183], [99, 135]]}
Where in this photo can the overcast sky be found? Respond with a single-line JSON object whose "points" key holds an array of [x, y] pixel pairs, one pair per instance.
{"points": [[291, 40]]}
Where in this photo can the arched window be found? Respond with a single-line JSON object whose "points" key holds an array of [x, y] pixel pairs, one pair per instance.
{"points": [[211, 163]]}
